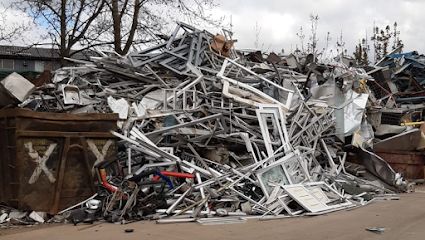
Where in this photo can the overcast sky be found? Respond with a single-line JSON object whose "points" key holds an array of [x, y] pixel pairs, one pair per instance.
{"points": [[279, 20]]}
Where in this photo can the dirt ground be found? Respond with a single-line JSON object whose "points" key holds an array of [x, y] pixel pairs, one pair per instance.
{"points": [[402, 219]]}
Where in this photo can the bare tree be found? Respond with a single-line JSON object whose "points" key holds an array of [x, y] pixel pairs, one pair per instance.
{"points": [[396, 37], [257, 31], [340, 45], [68, 22], [328, 39], [312, 45], [120, 10], [382, 39], [301, 36], [326, 52], [138, 21], [9, 33], [313, 40], [361, 52], [77, 25]]}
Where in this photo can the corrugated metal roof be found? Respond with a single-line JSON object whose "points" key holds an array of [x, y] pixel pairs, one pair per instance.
{"points": [[28, 52], [38, 53]]}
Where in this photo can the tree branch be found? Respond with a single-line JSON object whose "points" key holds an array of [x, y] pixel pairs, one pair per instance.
{"points": [[77, 19], [89, 21]]}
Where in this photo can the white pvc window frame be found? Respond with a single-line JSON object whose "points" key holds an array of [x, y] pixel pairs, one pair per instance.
{"points": [[227, 61]]}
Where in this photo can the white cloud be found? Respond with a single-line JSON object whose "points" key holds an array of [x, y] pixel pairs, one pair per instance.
{"points": [[280, 20], [13, 18]]}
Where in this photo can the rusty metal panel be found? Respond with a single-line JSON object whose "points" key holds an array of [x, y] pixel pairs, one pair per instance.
{"points": [[410, 164], [48, 157], [405, 142]]}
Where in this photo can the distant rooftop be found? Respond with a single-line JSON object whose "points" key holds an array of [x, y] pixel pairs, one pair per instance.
{"points": [[39, 53]]}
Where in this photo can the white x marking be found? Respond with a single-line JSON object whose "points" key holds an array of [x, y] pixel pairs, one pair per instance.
{"points": [[41, 162], [100, 157]]}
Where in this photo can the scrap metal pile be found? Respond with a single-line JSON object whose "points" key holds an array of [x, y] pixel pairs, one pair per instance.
{"points": [[397, 91], [206, 132]]}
